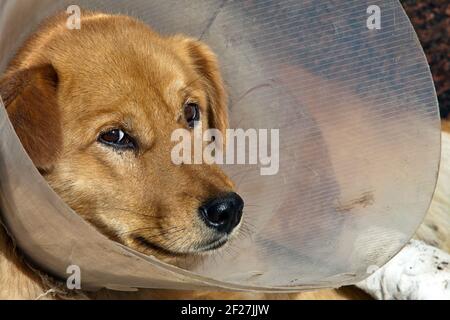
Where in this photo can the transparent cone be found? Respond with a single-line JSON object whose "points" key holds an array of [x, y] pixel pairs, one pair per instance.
{"points": [[359, 146]]}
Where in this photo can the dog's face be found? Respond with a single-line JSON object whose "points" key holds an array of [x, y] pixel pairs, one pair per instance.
{"points": [[95, 109]]}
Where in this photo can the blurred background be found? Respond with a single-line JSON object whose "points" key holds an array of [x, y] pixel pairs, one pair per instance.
{"points": [[431, 19]]}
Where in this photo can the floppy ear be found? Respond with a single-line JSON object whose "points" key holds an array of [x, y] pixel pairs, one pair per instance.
{"points": [[30, 99], [205, 63]]}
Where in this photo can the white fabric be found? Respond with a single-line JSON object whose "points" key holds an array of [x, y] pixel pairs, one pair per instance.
{"points": [[418, 272]]}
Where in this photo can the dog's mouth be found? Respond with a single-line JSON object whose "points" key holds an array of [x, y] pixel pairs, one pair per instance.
{"points": [[214, 245], [202, 248]]}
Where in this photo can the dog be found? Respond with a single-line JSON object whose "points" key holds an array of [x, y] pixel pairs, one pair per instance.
{"points": [[95, 109]]}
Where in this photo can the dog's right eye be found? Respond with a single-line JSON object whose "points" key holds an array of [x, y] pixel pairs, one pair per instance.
{"points": [[117, 138]]}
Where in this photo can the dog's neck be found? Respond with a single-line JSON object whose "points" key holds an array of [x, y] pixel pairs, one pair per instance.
{"points": [[19, 281]]}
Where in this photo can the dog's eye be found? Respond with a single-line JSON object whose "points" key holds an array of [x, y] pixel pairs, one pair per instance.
{"points": [[117, 138], [192, 114]]}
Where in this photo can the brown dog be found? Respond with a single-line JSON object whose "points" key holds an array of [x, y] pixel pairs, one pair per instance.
{"points": [[95, 109]]}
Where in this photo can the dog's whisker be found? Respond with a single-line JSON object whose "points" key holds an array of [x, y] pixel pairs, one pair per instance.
{"points": [[241, 174], [171, 244], [168, 235], [192, 197], [253, 205], [246, 231], [235, 175], [112, 210], [163, 233]]}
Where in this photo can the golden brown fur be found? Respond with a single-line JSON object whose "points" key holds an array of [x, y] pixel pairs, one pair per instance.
{"points": [[64, 87]]}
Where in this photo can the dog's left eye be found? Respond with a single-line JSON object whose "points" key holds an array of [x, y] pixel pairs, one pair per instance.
{"points": [[192, 114], [117, 138]]}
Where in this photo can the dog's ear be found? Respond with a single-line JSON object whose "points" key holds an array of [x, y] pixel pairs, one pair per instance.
{"points": [[205, 63], [31, 103]]}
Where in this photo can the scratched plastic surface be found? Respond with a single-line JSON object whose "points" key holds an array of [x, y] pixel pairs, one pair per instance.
{"points": [[359, 145]]}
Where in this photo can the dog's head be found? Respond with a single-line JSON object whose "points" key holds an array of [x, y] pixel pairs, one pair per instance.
{"points": [[95, 109]]}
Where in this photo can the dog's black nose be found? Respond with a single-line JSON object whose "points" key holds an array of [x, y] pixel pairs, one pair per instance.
{"points": [[223, 213]]}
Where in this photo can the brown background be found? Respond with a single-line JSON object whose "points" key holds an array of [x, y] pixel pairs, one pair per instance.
{"points": [[431, 19]]}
